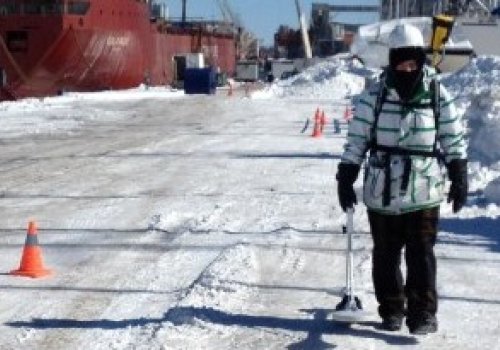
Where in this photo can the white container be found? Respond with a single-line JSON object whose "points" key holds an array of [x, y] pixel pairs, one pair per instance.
{"points": [[195, 60], [247, 71], [281, 67]]}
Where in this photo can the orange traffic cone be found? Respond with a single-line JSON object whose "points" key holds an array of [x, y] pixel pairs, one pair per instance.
{"points": [[322, 120], [31, 261], [317, 114], [317, 125]]}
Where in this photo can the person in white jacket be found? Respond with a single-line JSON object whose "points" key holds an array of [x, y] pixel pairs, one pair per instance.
{"points": [[410, 128]]}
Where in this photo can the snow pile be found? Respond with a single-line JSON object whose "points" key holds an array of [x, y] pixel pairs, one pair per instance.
{"points": [[480, 76], [492, 191], [477, 88], [484, 127], [228, 284], [139, 93], [333, 79]]}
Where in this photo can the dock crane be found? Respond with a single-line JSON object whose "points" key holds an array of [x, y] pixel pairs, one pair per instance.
{"points": [[248, 45], [228, 14], [303, 29]]}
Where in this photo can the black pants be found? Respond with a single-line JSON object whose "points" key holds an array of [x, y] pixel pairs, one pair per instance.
{"points": [[416, 231]]}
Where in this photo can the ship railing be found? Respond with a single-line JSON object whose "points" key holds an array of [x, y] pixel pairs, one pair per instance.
{"points": [[47, 7], [200, 23], [78, 7]]}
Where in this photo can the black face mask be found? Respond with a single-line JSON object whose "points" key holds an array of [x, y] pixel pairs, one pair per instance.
{"points": [[406, 83]]}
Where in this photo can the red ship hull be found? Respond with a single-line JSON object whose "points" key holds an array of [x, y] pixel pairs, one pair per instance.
{"points": [[48, 50]]}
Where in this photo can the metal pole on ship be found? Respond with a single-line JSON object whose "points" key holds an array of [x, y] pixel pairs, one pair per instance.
{"points": [[184, 12], [380, 10]]}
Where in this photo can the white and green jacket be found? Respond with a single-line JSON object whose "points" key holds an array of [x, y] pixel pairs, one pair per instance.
{"points": [[409, 128]]}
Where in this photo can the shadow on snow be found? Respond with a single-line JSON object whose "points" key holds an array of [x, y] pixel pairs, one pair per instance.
{"points": [[315, 327], [291, 155], [488, 228]]}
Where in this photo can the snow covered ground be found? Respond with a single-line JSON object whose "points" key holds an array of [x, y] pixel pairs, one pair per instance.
{"points": [[202, 222]]}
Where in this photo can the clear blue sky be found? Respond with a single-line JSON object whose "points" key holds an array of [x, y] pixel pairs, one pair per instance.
{"points": [[262, 17]]}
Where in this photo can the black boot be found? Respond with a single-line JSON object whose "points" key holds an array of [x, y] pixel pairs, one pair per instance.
{"points": [[422, 324], [392, 323]]}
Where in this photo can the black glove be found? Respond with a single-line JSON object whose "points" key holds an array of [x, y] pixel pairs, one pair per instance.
{"points": [[457, 172], [346, 176]]}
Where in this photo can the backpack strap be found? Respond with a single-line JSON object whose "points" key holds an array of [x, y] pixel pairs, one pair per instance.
{"points": [[435, 89], [379, 103], [435, 92]]}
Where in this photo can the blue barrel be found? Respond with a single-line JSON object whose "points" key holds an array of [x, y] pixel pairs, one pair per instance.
{"points": [[200, 81]]}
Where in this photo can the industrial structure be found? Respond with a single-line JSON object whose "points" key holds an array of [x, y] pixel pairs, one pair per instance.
{"points": [[327, 36], [323, 37]]}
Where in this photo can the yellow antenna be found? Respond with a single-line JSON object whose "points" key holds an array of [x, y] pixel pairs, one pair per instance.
{"points": [[442, 26]]}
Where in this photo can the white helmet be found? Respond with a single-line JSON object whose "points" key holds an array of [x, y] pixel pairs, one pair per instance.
{"points": [[404, 35]]}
